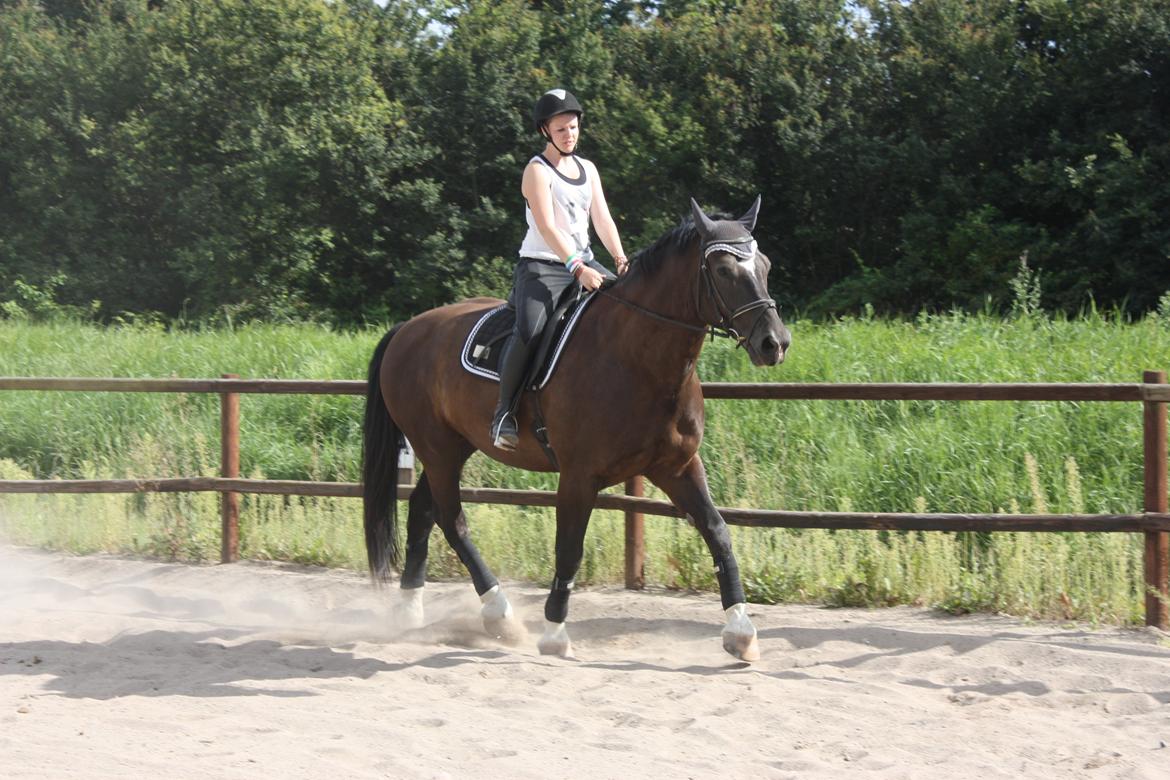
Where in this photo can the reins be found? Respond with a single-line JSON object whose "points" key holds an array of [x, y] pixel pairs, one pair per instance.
{"points": [[655, 315]]}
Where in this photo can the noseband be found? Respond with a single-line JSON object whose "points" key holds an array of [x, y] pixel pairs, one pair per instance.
{"points": [[743, 250]]}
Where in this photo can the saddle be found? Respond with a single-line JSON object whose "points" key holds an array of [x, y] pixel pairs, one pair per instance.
{"points": [[485, 343]]}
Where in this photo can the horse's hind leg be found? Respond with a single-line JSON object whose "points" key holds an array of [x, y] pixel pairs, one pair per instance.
{"points": [[496, 611], [420, 521], [688, 490], [575, 499]]}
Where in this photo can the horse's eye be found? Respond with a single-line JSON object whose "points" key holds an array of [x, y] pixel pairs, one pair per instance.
{"points": [[724, 271]]}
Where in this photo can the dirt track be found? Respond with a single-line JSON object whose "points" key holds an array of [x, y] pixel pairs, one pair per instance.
{"points": [[114, 668]]}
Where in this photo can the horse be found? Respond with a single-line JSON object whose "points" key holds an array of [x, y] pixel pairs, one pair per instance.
{"points": [[623, 401]]}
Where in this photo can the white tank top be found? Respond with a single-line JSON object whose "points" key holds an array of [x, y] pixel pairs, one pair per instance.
{"points": [[571, 199]]}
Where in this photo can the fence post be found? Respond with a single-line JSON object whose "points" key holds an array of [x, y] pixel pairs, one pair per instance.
{"points": [[635, 540], [1157, 547], [229, 466]]}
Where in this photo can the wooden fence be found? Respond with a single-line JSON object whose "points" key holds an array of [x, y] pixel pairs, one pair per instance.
{"points": [[1154, 522]]}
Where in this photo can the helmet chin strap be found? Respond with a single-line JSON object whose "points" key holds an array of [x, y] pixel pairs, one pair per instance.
{"points": [[547, 137]]}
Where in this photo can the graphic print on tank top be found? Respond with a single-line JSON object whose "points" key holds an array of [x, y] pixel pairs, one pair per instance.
{"points": [[572, 217]]}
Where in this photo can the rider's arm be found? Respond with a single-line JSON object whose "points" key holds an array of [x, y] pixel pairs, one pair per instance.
{"points": [[602, 221], [537, 192]]}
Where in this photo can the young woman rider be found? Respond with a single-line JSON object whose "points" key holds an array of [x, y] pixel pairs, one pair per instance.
{"points": [[562, 193]]}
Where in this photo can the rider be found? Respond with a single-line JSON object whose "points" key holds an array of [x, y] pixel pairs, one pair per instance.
{"points": [[561, 193]]}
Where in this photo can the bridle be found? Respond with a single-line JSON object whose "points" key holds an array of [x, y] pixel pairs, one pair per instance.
{"points": [[743, 250]]}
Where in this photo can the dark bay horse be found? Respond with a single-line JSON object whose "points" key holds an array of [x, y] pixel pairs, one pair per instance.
{"points": [[625, 400]]}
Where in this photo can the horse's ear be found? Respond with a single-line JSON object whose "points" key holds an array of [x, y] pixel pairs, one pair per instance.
{"points": [[702, 221], [748, 220]]}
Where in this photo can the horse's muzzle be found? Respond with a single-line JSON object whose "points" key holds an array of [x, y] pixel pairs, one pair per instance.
{"points": [[771, 346]]}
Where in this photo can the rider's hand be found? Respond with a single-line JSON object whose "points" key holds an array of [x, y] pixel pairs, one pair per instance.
{"points": [[589, 278]]}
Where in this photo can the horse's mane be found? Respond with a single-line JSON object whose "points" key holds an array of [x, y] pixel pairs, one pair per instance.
{"points": [[675, 241]]}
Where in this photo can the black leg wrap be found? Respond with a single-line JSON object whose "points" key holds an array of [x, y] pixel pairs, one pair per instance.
{"points": [[414, 573], [556, 608], [481, 577], [730, 584]]}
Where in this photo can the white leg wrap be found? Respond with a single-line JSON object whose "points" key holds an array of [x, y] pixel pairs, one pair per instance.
{"points": [[738, 621], [495, 605], [408, 612], [739, 635], [555, 640]]}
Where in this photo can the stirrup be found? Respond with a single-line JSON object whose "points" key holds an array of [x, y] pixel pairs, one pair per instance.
{"points": [[504, 434]]}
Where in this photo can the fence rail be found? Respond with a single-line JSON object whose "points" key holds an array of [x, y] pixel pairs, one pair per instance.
{"points": [[1153, 393], [755, 518], [764, 391]]}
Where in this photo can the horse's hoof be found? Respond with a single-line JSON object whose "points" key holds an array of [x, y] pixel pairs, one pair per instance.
{"points": [[745, 648], [408, 612], [555, 641], [497, 617], [739, 635]]}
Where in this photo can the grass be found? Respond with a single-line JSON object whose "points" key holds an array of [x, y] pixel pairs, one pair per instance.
{"points": [[833, 455]]}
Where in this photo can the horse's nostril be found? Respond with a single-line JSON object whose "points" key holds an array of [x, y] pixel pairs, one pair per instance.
{"points": [[771, 351]]}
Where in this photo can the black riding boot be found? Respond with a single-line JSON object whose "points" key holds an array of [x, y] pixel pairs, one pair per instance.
{"points": [[513, 362]]}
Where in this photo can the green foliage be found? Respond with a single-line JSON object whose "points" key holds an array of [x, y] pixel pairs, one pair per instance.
{"points": [[198, 156], [1163, 311], [29, 302], [1025, 286], [1006, 127], [809, 455], [356, 162]]}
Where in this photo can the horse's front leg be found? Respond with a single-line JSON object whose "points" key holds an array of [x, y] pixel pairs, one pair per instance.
{"points": [[575, 497], [687, 488]]}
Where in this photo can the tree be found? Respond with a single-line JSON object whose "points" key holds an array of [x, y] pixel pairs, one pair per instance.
{"points": [[352, 160], [207, 154]]}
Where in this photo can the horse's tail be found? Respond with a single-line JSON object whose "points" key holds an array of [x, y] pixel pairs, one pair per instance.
{"points": [[381, 443]]}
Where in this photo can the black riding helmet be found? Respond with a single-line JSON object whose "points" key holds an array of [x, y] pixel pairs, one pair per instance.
{"points": [[553, 102], [550, 104]]}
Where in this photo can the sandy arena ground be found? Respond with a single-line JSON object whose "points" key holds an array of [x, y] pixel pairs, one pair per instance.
{"points": [[120, 668]]}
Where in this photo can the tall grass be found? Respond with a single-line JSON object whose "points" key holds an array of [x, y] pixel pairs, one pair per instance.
{"points": [[834, 455]]}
